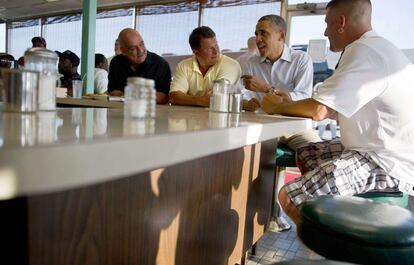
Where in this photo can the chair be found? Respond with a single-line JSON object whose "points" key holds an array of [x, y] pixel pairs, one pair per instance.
{"points": [[353, 229], [285, 157]]}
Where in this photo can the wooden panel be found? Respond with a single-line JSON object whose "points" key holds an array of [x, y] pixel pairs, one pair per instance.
{"points": [[192, 213]]}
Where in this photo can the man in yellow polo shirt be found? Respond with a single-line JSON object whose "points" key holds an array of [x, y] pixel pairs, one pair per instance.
{"points": [[193, 79]]}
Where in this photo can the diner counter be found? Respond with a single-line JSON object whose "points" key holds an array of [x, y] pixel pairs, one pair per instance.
{"points": [[74, 147]]}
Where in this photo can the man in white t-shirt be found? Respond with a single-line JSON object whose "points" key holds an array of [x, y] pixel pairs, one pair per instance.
{"points": [[371, 94], [101, 74]]}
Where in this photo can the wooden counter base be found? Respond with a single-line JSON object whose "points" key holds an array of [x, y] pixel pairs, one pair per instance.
{"points": [[205, 211]]}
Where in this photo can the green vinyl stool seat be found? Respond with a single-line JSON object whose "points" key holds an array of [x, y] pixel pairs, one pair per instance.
{"points": [[312, 262], [285, 157], [394, 198], [358, 230]]}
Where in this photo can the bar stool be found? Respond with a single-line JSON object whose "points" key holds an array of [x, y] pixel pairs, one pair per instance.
{"points": [[285, 157], [312, 262], [353, 229], [394, 198]]}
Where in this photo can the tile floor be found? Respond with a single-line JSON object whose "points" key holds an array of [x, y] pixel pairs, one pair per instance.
{"points": [[275, 247]]}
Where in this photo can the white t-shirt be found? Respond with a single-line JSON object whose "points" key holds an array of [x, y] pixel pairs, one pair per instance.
{"points": [[373, 90], [101, 81]]}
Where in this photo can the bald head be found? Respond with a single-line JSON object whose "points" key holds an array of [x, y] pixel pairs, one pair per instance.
{"points": [[251, 43], [132, 46]]}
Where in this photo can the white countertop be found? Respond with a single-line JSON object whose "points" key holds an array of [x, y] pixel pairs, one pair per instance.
{"points": [[72, 147]]}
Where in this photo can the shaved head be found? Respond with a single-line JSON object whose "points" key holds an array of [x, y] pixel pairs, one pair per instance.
{"points": [[356, 10]]}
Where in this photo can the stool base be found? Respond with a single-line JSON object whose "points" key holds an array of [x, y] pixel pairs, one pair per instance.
{"points": [[278, 224]]}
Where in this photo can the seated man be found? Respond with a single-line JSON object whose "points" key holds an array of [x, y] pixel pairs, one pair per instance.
{"points": [[6, 60], [194, 77], [68, 67], [288, 72], [101, 74], [136, 61], [371, 93]]}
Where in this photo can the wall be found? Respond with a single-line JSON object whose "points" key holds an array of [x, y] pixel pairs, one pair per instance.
{"points": [[410, 54]]}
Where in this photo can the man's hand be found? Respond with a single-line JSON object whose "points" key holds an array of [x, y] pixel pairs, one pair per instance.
{"points": [[116, 93], [270, 103], [253, 83], [251, 105], [283, 93], [204, 100]]}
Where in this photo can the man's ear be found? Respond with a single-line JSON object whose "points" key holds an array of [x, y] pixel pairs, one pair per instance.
{"points": [[282, 36], [342, 21], [196, 51]]}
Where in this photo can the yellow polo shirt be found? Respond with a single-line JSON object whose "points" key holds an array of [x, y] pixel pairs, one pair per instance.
{"points": [[189, 80]]}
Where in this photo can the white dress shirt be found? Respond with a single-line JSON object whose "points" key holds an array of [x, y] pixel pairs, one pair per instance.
{"points": [[293, 71], [101, 81]]}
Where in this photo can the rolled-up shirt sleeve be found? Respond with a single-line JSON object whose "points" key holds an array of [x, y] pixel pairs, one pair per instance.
{"points": [[180, 81]]}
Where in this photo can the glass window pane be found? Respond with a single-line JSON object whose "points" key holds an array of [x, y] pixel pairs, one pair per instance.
{"points": [[394, 20], [175, 39], [20, 37], [3, 37], [305, 28], [63, 34], [233, 25], [108, 28], [293, 2]]}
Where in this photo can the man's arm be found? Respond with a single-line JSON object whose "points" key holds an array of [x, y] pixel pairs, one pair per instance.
{"points": [[162, 98], [303, 80], [180, 98], [163, 82], [114, 79], [308, 108]]}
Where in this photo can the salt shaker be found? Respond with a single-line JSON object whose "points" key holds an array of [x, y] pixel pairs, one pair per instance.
{"points": [[219, 100], [136, 98], [45, 62]]}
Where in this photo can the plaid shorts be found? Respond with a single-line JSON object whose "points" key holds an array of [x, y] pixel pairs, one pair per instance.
{"points": [[334, 170]]}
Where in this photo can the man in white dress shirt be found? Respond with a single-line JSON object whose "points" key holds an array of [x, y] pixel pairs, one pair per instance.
{"points": [[278, 68], [371, 94], [101, 74]]}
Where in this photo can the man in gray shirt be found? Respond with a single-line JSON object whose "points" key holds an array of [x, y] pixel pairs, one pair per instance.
{"points": [[279, 70]]}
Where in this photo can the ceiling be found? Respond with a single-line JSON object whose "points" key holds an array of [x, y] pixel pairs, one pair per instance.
{"points": [[17, 9]]}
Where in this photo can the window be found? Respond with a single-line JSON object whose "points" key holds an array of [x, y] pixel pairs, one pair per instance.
{"points": [[108, 26], [20, 36], [64, 33], [3, 37], [165, 29], [305, 28], [294, 2], [233, 25], [394, 20]]}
